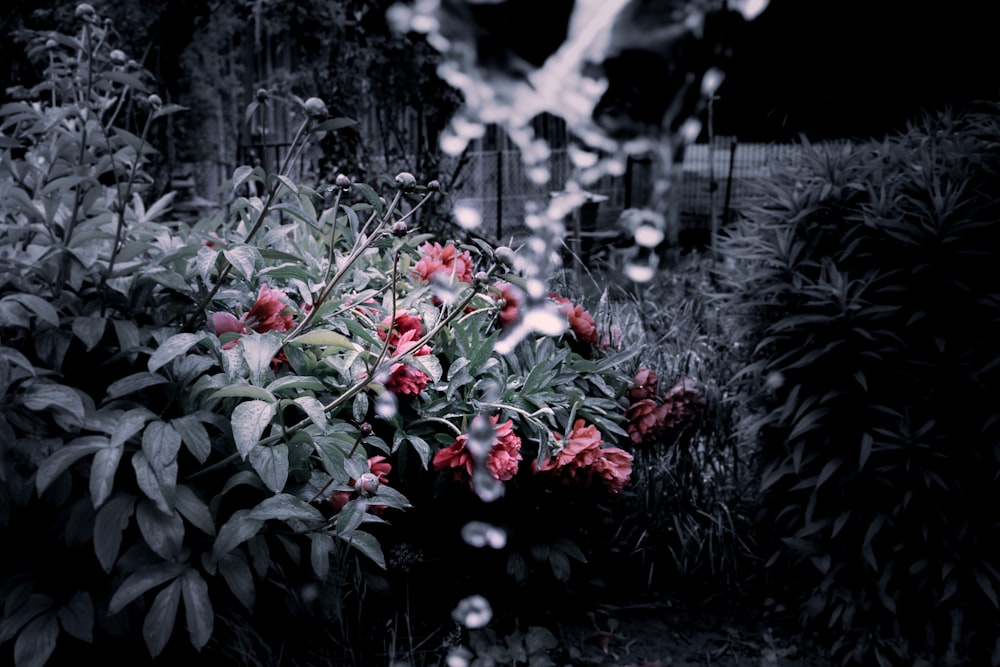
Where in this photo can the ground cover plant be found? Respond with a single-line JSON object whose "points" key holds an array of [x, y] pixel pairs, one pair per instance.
{"points": [[209, 429], [867, 292]]}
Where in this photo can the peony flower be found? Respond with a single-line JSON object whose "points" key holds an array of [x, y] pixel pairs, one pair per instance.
{"points": [[645, 421], [512, 297], [644, 384], [502, 460], [614, 467], [380, 469], [223, 322], [405, 378], [405, 322], [580, 321], [265, 314], [686, 402], [582, 459], [448, 259]]}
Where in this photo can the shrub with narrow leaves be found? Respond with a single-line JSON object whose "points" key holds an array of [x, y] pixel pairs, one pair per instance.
{"points": [[867, 285]]}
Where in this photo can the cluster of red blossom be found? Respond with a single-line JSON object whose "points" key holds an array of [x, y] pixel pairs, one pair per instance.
{"points": [[649, 419], [580, 459], [266, 314], [404, 334]]}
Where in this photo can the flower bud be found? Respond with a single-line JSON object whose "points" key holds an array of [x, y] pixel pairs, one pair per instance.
{"points": [[154, 101], [366, 429], [343, 182], [315, 107], [263, 94], [434, 185], [405, 180], [481, 277], [50, 44], [399, 229], [118, 57], [504, 255], [367, 485], [85, 11]]}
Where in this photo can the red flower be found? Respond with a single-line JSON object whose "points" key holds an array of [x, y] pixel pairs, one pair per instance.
{"points": [[645, 420], [404, 378], [378, 467], [404, 324], [227, 323], [501, 461], [581, 458], [265, 315], [511, 296], [447, 259], [685, 402], [580, 321], [644, 384]]}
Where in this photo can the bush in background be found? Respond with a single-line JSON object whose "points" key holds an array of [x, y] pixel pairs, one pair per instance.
{"points": [[867, 288]]}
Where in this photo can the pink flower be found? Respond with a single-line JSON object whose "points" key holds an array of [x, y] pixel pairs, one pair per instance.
{"points": [[447, 259], [580, 321], [582, 459], [265, 314], [612, 339], [404, 378], [645, 420], [685, 403], [644, 384], [223, 322], [502, 460], [511, 296], [404, 324]]}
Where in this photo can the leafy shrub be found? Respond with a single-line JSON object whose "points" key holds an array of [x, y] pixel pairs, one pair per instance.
{"points": [[866, 285], [224, 416]]}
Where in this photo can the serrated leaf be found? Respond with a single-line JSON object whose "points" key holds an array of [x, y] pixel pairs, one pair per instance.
{"points": [[77, 616], [61, 459], [141, 581], [271, 463], [102, 474], [109, 523], [193, 509], [238, 529], [37, 641], [283, 507], [172, 348], [197, 608], [159, 622], [163, 533], [249, 420]]}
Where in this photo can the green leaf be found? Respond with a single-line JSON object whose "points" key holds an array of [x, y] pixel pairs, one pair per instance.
{"points": [[238, 529], [194, 509], [366, 544], [194, 436], [168, 109], [172, 348], [109, 523], [77, 616], [236, 572], [159, 622], [285, 506], [102, 474], [359, 409], [39, 395], [334, 124], [129, 424], [249, 421], [287, 382], [325, 338], [244, 258], [89, 330], [319, 553], [161, 443], [258, 352], [313, 409], [37, 641], [43, 310], [61, 459], [288, 183], [245, 391], [149, 480], [271, 463], [197, 608], [133, 384], [141, 581], [163, 533]]}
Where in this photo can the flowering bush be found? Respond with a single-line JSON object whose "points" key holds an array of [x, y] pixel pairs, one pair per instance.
{"points": [[199, 410]]}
